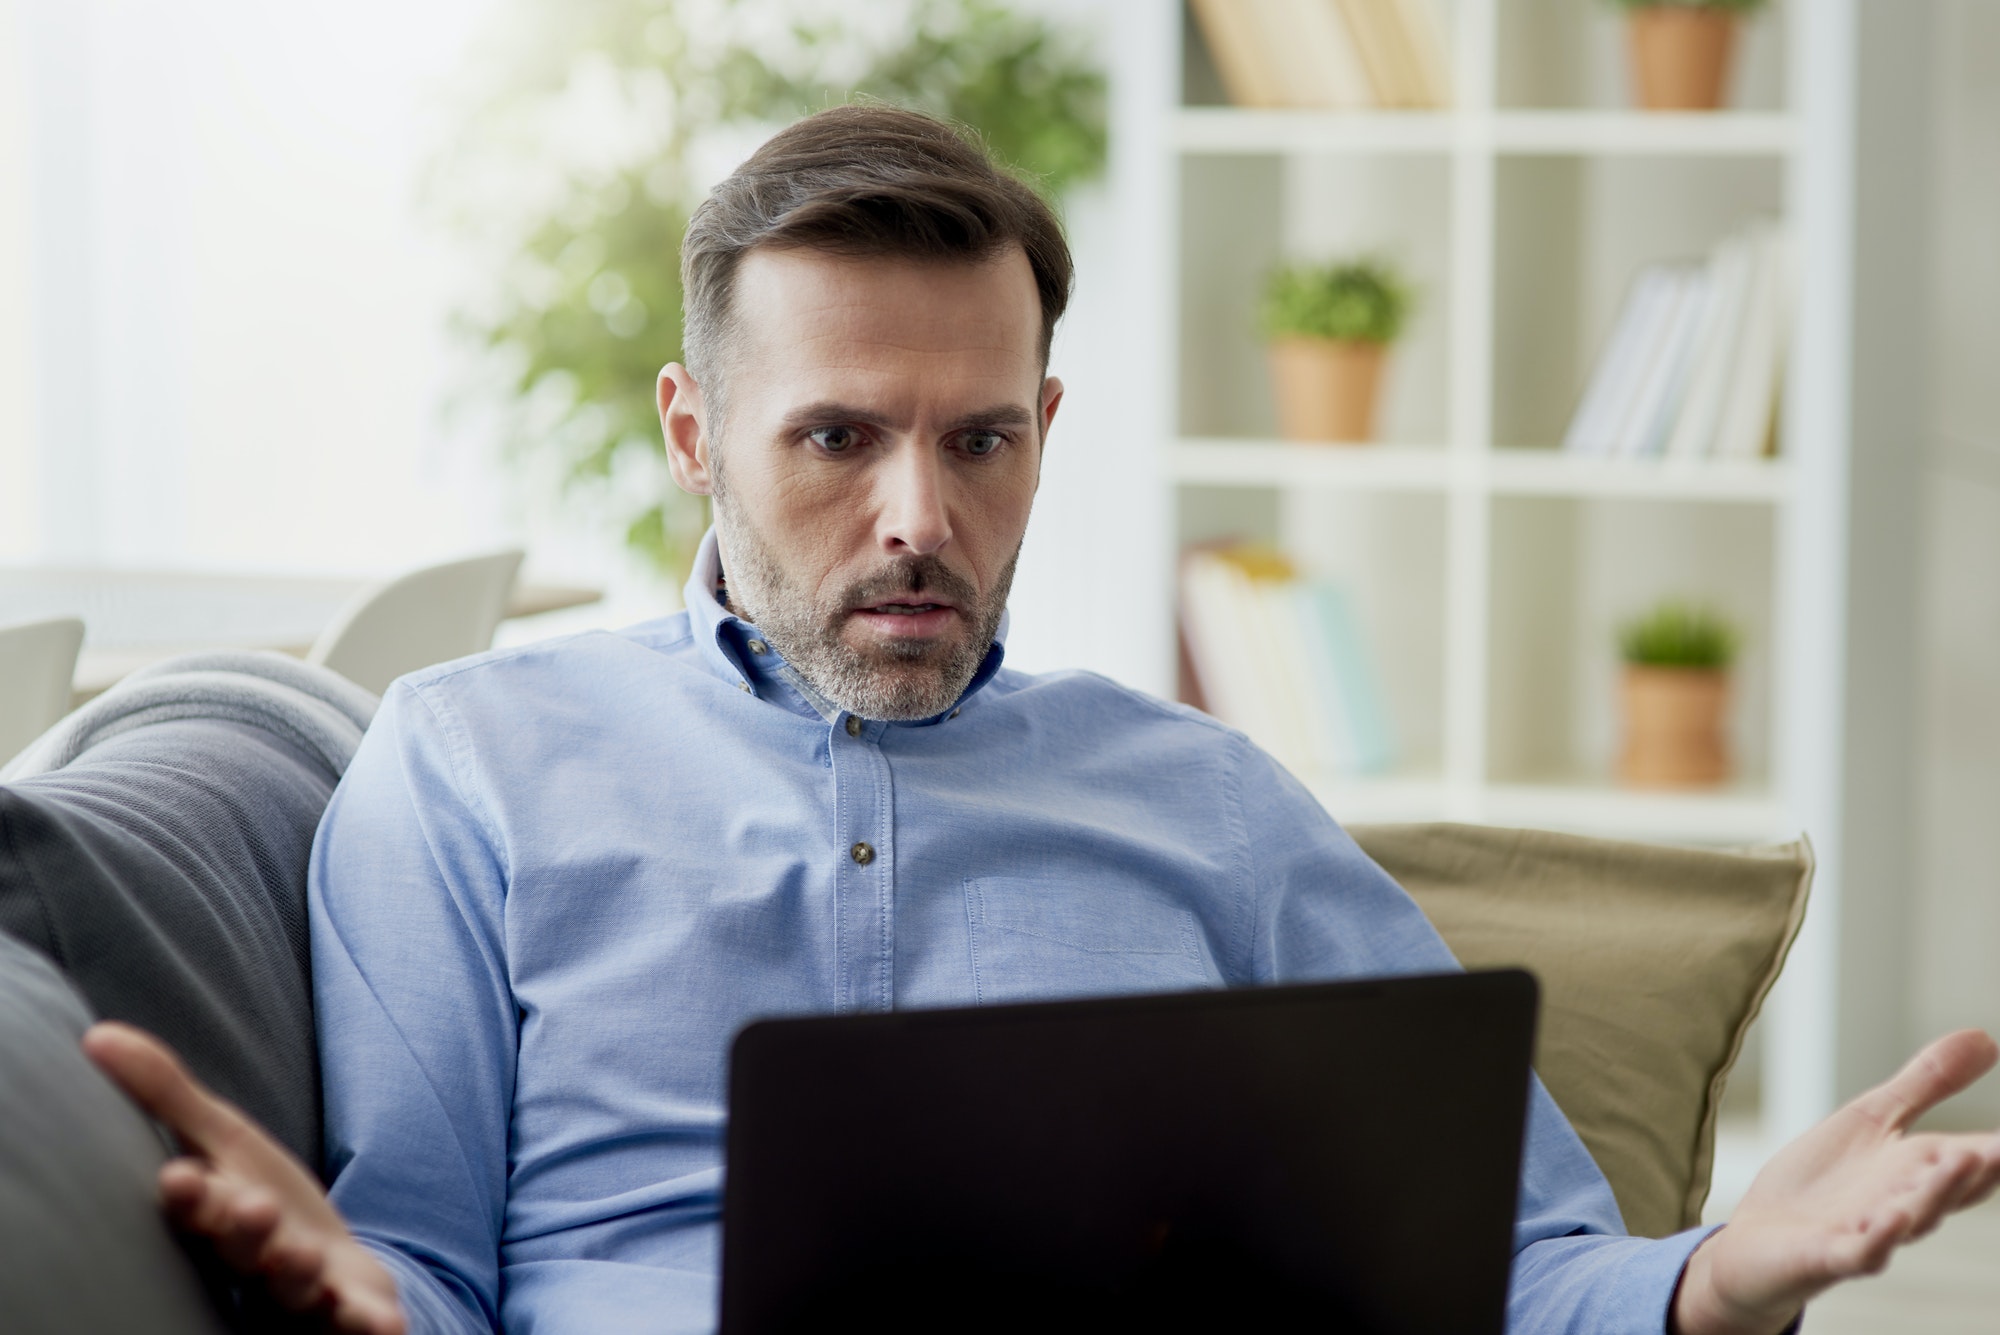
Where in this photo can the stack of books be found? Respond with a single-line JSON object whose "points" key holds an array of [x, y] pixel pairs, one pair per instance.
{"points": [[1692, 367], [1282, 658], [1328, 53]]}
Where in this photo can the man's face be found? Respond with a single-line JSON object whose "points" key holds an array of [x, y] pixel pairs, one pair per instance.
{"points": [[877, 466]]}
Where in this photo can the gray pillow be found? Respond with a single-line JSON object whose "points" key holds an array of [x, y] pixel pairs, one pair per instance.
{"points": [[164, 871], [82, 1245]]}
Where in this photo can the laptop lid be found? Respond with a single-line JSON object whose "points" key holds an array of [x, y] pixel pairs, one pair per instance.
{"points": [[1335, 1157]]}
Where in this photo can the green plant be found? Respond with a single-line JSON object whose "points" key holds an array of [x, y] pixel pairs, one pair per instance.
{"points": [[587, 303], [1678, 635], [1362, 300], [1733, 6]]}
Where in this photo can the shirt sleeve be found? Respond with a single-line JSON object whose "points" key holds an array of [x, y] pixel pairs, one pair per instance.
{"points": [[416, 1019], [1322, 909]]}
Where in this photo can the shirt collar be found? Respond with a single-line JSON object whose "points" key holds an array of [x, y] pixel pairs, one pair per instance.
{"points": [[723, 639]]}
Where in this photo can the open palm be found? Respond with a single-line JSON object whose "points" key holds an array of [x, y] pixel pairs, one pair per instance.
{"points": [[1836, 1202]]}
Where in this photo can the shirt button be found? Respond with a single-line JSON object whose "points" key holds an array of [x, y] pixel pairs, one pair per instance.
{"points": [[853, 726], [862, 854], [759, 647], [743, 686]]}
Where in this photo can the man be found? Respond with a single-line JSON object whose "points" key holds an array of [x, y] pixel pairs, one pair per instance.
{"points": [[557, 878]]}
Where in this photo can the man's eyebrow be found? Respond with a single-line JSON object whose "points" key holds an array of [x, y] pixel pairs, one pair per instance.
{"points": [[999, 417], [828, 411], [1003, 416]]}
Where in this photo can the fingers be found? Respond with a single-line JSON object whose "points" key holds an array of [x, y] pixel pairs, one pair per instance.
{"points": [[153, 1077], [295, 1271], [365, 1313], [251, 1235], [1941, 1070], [237, 1217]]}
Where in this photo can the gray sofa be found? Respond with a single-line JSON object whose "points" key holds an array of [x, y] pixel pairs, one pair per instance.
{"points": [[152, 870]]}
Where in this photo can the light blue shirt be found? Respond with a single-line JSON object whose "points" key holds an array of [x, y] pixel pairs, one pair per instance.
{"points": [[557, 879]]}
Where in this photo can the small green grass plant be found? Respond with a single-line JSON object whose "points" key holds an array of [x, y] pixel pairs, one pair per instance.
{"points": [[1677, 634], [1363, 301]]}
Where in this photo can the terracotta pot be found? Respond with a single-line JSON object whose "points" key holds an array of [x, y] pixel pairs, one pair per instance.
{"points": [[1680, 56], [1674, 727], [1326, 388]]}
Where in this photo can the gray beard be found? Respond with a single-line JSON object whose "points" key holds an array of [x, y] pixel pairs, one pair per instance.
{"points": [[899, 681]]}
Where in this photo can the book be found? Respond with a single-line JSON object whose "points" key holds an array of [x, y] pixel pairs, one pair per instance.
{"points": [[1424, 35], [1731, 270], [1361, 738], [1232, 640], [1600, 413], [1659, 393], [1372, 25], [1310, 40], [1743, 430], [1283, 659], [1231, 30]]}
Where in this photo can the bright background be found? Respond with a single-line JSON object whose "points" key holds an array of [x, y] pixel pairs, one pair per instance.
{"points": [[224, 305]]}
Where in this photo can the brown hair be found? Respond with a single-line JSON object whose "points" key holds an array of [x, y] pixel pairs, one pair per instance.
{"points": [[866, 181]]}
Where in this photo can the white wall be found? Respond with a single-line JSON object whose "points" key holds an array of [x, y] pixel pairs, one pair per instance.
{"points": [[211, 240], [1955, 887], [20, 477], [237, 312]]}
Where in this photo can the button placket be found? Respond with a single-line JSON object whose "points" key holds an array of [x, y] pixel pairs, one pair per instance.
{"points": [[864, 922]]}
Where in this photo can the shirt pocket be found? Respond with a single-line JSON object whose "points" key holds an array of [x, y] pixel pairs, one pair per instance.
{"points": [[1032, 941]]}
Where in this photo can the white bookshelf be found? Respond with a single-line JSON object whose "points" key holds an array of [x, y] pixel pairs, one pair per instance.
{"points": [[1488, 568]]}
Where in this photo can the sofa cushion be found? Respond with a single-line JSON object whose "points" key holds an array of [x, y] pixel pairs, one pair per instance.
{"points": [[1653, 962], [82, 1245], [164, 871]]}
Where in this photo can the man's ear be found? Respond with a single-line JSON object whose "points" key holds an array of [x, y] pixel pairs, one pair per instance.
{"points": [[1052, 392], [681, 418]]}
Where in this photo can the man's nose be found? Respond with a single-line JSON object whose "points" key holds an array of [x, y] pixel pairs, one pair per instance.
{"points": [[912, 519]]}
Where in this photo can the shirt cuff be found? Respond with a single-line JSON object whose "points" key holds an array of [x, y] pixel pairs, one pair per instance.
{"points": [[1699, 1236]]}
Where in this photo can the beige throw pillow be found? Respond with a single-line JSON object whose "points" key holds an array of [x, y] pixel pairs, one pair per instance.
{"points": [[1653, 962]]}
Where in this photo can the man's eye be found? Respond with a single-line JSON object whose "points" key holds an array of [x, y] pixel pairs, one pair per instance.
{"points": [[982, 442], [834, 439]]}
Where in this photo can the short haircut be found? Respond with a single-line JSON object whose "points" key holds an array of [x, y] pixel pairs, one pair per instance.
{"points": [[866, 181]]}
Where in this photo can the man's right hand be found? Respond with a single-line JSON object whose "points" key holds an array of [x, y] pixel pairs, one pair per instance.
{"points": [[261, 1207]]}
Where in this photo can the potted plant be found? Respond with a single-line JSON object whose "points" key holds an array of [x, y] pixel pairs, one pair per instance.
{"points": [[1328, 326], [1681, 50], [1676, 693]]}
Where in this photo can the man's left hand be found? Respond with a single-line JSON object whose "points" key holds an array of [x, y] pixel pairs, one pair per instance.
{"points": [[1836, 1202]]}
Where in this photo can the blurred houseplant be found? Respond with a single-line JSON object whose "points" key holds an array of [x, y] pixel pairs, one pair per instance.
{"points": [[609, 120], [1682, 49], [1329, 327], [1676, 696]]}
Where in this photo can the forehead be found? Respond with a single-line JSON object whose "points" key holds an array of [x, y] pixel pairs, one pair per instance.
{"points": [[805, 316]]}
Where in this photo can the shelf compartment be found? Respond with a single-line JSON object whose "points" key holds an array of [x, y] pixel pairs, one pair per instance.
{"points": [[1565, 573]]}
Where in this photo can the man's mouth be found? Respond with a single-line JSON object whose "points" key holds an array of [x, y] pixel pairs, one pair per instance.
{"points": [[907, 609], [913, 615]]}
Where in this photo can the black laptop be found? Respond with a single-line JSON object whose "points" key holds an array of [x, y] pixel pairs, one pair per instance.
{"points": [[1339, 1157]]}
